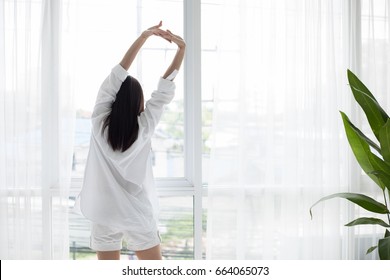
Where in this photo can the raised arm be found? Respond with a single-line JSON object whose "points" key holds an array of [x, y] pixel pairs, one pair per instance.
{"points": [[178, 59], [131, 53]]}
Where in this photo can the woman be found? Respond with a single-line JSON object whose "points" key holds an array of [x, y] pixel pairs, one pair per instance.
{"points": [[118, 193]]}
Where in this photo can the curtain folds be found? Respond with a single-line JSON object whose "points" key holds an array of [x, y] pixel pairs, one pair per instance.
{"points": [[36, 131], [278, 139]]}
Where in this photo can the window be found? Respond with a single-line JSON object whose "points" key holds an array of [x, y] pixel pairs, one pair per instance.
{"points": [[101, 39], [92, 43], [103, 43]]}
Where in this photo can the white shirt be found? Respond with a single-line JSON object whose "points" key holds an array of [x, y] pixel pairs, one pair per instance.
{"points": [[118, 188]]}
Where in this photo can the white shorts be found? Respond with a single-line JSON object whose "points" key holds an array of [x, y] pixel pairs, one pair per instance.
{"points": [[104, 238]]}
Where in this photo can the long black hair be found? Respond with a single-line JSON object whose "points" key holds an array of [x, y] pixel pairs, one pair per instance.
{"points": [[122, 122]]}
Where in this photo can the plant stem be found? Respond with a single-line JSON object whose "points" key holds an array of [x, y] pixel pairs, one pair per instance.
{"points": [[388, 215], [384, 195]]}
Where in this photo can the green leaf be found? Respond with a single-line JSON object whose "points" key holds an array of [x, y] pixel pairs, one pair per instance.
{"points": [[364, 137], [355, 82], [360, 149], [379, 165], [370, 108], [387, 233], [371, 249], [383, 177], [376, 116], [384, 248], [367, 221], [360, 199], [384, 139]]}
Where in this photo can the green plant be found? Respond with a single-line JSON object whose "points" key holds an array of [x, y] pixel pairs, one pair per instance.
{"points": [[375, 165]]}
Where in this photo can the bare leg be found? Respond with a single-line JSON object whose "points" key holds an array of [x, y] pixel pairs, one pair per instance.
{"points": [[108, 255], [153, 253]]}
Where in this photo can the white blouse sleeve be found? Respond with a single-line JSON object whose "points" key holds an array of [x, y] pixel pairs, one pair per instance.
{"points": [[107, 94], [154, 108], [172, 75]]}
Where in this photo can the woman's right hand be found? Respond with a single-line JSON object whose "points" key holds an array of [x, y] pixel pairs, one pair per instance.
{"points": [[178, 59], [155, 30], [176, 39], [167, 35]]}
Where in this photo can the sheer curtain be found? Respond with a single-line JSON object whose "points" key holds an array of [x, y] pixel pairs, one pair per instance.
{"points": [[278, 140], [375, 72], [36, 141]]}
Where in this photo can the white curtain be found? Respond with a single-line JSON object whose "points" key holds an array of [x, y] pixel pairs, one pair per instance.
{"points": [[36, 141], [374, 71], [278, 140]]}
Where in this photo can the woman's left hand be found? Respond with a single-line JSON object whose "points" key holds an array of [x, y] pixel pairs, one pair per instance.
{"points": [[155, 30]]}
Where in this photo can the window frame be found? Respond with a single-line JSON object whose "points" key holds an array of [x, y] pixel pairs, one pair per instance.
{"points": [[193, 114]]}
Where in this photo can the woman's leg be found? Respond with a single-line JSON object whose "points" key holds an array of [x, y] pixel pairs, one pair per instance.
{"points": [[108, 255], [153, 253]]}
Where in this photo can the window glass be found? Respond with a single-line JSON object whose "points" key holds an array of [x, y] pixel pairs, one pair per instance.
{"points": [[210, 28], [98, 33], [98, 41], [175, 225]]}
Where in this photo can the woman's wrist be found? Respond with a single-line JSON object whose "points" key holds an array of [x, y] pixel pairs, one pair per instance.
{"points": [[144, 35]]}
